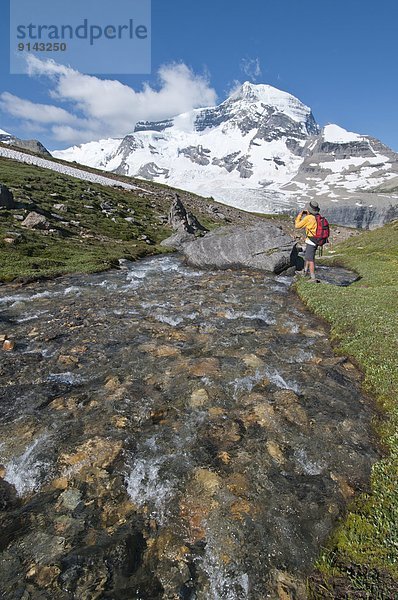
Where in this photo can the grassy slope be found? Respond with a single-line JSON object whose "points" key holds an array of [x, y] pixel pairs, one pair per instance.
{"points": [[88, 240], [362, 558]]}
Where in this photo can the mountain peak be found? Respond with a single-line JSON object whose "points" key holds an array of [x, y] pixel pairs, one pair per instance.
{"points": [[2, 132], [251, 90], [267, 95]]}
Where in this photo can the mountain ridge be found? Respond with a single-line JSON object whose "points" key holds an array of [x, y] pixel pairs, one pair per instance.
{"points": [[260, 150]]}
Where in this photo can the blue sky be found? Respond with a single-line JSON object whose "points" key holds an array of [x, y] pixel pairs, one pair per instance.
{"points": [[338, 57]]}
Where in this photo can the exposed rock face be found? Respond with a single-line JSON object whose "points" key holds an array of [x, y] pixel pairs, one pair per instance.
{"points": [[263, 246], [363, 216], [180, 219], [6, 197], [184, 223], [148, 171], [32, 145]]}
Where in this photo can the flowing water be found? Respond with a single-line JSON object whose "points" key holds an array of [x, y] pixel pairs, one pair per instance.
{"points": [[171, 433]]}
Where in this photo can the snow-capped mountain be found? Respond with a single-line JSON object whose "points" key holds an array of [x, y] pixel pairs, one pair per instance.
{"points": [[250, 139], [260, 149]]}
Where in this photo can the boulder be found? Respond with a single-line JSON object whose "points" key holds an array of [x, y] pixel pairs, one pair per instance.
{"points": [[6, 197], [181, 220], [35, 221], [178, 239], [261, 246]]}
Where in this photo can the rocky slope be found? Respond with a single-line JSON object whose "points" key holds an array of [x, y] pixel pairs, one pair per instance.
{"points": [[53, 223], [31, 145], [259, 150]]}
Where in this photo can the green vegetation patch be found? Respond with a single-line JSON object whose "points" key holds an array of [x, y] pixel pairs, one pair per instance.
{"points": [[361, 560], [89, 226]]}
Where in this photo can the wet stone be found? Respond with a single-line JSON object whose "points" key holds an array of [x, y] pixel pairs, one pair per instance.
{"points": [[170, 433]]}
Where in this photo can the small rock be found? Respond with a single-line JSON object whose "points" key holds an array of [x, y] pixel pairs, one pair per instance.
{"points": [[68, 361], [8, 345], [35, 221], [43, 576], [112, 383], [198, 398], [287, 402], [8, 496], [97, 452], [251, 360], [120, 422], [205, 366], [208, 480], [70, 498], [13, 239], [275, 451], [60, 484]]}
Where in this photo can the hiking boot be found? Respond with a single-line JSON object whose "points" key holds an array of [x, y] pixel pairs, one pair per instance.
{"points": [[313, 280], [302, 273]]}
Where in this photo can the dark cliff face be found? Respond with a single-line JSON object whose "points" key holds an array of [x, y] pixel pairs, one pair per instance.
{"points": [[270, 122], [153, 125], [361, 217]]}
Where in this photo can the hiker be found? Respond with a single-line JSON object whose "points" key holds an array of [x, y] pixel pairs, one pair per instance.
{"points": [[307, 218]]}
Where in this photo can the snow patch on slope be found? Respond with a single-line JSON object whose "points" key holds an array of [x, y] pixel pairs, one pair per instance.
{"points": [[93, 154], [336, 134]]}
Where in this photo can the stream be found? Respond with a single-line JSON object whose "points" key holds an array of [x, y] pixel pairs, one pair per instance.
{"points": [[169, 433]]}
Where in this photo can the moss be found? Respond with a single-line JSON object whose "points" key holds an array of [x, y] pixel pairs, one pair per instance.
{"points": [[364, 326]]}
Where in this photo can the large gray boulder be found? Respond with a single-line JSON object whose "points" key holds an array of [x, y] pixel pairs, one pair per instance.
{"points": [[6, 197], [178, 239], [262, 246]]}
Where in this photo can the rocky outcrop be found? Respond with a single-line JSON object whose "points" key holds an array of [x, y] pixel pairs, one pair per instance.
{"points": [[184, 223], [366, 213], [31, 145], [6, 197], [263, 246]]}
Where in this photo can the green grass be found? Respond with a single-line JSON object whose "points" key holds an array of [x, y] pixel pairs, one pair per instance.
{"points": [[361, 560], [88, 240]]}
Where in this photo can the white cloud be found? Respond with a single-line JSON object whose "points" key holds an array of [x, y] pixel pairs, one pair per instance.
{"points": [[251, 68], [99, 108], [34, 112]]}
